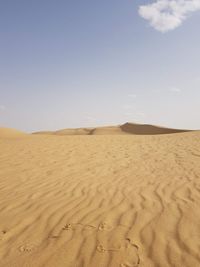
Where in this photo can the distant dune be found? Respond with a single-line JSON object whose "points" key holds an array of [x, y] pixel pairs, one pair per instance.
{"points": [[127, 128], [11, 133], [147, 129]]}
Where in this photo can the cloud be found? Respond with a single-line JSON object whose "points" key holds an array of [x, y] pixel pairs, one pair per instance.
{"points": [[166, 15]]}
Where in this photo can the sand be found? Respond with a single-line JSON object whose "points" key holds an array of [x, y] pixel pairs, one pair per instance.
{"points": [[11, 133], [100, 200], [127, 128]]}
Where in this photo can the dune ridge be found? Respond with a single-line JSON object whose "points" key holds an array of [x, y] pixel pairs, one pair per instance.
{"points": [[127, 128], [106, 201], [147, 129]]}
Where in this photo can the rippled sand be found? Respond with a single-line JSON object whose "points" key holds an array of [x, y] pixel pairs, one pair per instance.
{"points": [[100, 201]]}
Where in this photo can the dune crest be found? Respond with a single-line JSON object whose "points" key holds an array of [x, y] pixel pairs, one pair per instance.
{"points": [[147, 129], [127, 128]]}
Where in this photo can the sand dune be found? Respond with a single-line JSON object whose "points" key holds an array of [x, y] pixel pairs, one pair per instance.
{"points": [[109, 130], [105, 201], [127, 128], [11, 133], [146, 129]]}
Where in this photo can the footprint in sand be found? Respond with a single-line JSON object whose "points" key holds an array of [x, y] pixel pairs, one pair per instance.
{"points": [[68, 227], [28, 248], [101, 249], [74, 226], [127, 254], [123, 251], [104, 226], [2, 234], [131, 256]]}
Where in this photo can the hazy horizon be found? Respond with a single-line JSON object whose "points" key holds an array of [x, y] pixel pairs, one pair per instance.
{"points": [[71, 64], [107, 125]]}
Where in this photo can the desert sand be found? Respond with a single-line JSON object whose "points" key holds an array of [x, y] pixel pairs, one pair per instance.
{"points": [[127, 128], [119, 198], [11, 133]]}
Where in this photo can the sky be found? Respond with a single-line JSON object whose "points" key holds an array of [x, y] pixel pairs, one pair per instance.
{"points": [[75, 63]]}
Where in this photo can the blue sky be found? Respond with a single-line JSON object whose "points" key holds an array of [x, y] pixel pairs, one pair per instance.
{"points": [[87, 63]]}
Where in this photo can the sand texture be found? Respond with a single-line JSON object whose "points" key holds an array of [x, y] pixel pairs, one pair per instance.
{"points": [[100, 201]]}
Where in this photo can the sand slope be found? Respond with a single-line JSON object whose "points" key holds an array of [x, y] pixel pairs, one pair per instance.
{"points": [[127, 128], [147, 129], [105, 201], [85, 131]]}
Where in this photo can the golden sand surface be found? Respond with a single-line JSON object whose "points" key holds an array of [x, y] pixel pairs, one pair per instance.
{"points": [[100, 200]]}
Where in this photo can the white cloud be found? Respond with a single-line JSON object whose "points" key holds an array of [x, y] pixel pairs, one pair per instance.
{"points": [[166, 15]]}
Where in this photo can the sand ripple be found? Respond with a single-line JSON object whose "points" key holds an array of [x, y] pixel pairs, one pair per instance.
{"points": [[100, 201]]}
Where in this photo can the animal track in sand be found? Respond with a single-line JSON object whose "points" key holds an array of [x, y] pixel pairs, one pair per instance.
{"points": [[68, 227], [125, 253], [128, 253], [131, 255], [102, 249], [104, 226], [2, 234], [28, 248], [71, 226]]}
